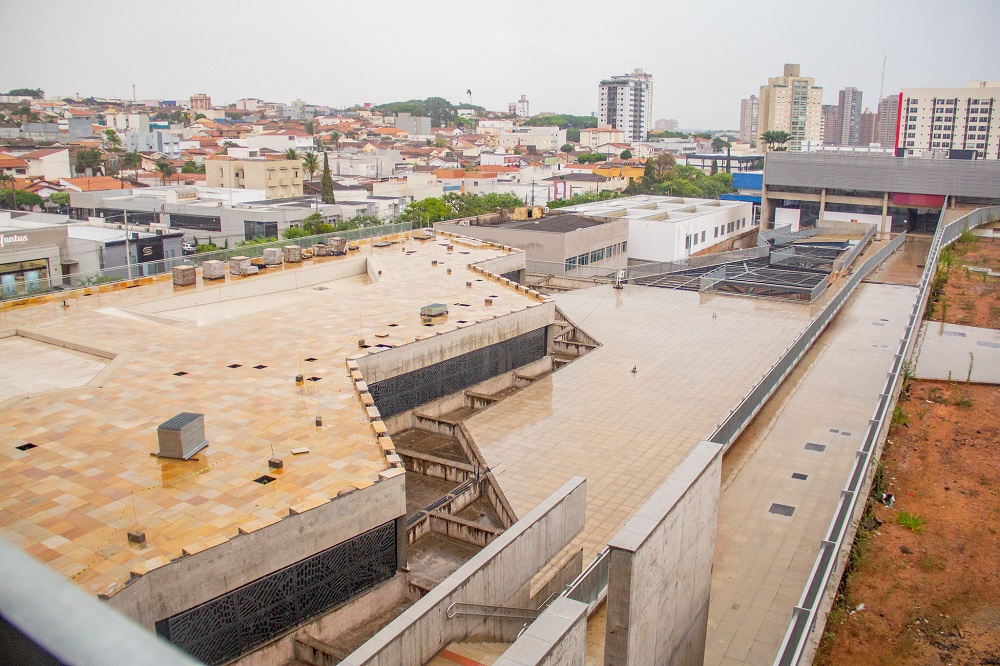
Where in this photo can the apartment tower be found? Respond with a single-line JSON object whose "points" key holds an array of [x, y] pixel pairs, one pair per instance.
{"points": [[748, 119], [937, 121], [791, 103], [626, 103], [850, 116], [885, 121]]}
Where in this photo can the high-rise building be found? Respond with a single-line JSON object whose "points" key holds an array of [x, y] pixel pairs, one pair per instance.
{"points": [[866, 128], [850, 116], [626, 103], [201, 102], [519, 108], [791, 103], [885, 121], [748, 118], [831, 124], [946, 119]]}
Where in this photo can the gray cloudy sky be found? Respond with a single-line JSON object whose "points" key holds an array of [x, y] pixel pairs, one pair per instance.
{"points": [[704, 56]]}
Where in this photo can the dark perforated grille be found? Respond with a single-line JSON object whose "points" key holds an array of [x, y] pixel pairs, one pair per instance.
{"points": [[403, 392], [232, 624]]}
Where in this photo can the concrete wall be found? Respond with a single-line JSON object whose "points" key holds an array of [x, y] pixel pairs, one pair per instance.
{"points": [[195, 579], [558, 637], [660, 572], [498, 575], [419, 354]]}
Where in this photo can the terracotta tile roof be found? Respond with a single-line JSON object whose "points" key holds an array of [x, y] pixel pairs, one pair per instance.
{"points": [[95, 183], [45, 152], [11, 162]]}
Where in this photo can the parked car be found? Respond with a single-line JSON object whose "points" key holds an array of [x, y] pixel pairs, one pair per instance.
{"points": [[187, 248]]}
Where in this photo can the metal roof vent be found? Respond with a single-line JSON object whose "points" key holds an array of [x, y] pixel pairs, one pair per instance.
{"points": [[182, 436]]}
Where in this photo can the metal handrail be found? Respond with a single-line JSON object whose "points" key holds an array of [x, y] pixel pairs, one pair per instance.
{"points": [[484, 610]]}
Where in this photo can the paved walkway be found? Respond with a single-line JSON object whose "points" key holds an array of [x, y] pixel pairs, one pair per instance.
{"points": [[946, 351], [778, 496]]}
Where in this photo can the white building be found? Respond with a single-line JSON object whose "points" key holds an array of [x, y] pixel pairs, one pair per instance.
{"points": [[50, 163], [626, 103], [674, 228], [281, 141], [748, 119], [936, 121], [494, 126], [519, 108], [158, 141], [791, 103], [595, 136], [542, 138]]}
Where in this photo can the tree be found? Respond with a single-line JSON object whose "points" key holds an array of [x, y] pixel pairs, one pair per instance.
{"points": [[199, 117], [774, 139], [326, 182], [19, 199], [291, 154], [308, 126], [626, 154], [192, 167], [293, 232], [719, 144], [59, 198], [573, 134], [34, 93], [665, 164], [89, 159], [335, 137], [314, 225], [310, 163], [426, 212], [166, 170], [567, 148], [587, 158], [132, 161]]}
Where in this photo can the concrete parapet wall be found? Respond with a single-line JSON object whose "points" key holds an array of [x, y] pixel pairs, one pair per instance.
{"points": [[505, 263], [194, 579], [558, 637], [498, 574], [660, 572], [421, 353]]}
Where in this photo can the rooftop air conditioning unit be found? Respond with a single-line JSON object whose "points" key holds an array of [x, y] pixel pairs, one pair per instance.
{"points": [[182, 436]]}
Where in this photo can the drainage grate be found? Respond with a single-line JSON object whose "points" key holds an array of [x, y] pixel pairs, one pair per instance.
{"points": [[311, 359], [234, 366], [320, 288], [428, 324], [835, 430], [782, 509], [264, 480], [259, 367], [984, 343], [313, 379], [393, 325], [799, 476], [815, 447], [955, 334], [180, 374], [25, 447], [846, 434]]}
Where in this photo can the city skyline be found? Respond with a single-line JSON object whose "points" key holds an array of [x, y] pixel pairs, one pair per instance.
{"points": [[392, 61]]}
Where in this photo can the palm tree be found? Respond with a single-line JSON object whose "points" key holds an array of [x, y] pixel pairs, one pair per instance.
{"points": [[132, 161], [311, 164], [774, 139], [166, 170], [335, 136], [291, 154]]}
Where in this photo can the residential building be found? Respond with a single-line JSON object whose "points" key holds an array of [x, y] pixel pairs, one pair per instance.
{"points": [[280, 141], [137, 122], [49, 163], [595, 136], [541, 139], [675, 228], [14, 167], [937, 121], [626, 103], [278, 179], [849, 114], [412, 187], [201, 102], [831, 125], [413, 125], [748, 119], [791, 103], [885, 121], [168, 143], [519, 108], [866, 129]]}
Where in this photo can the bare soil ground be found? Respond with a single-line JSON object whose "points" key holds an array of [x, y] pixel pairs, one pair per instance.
{"points": [[930, 588], [970, 298]]}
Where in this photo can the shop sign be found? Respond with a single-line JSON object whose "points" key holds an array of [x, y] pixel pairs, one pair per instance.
{"points": [[12, 240]]}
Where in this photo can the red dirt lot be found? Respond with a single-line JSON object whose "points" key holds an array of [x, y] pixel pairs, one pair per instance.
{"points": [[931, 595], [970, 298]]}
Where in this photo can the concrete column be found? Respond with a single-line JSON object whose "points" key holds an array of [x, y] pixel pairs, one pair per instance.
{"points": [[401, 542], [822, 205], [765, 210], [882, 231], [660, 571]]}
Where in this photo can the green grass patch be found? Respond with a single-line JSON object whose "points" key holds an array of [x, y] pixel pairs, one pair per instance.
{"points": [[911, 521]]}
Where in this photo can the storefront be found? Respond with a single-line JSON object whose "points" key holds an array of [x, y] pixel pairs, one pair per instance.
{"points": [[30, 254]]}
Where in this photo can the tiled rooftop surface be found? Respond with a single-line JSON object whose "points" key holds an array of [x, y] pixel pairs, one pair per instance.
{"points": [[91, 478], [695, 358]]}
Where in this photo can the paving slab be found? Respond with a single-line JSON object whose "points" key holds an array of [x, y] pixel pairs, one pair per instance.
{"points": [[779, 494], [951, 351]]}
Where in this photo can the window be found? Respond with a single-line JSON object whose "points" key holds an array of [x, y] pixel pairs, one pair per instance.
{"points": [[911, 135], [717, 232], [687, 242], [702, 236], [571, 264], [583, 259], [909, 144]]}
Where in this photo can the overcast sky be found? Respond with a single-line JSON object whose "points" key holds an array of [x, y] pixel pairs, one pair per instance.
{"points": [[704, 56]]}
